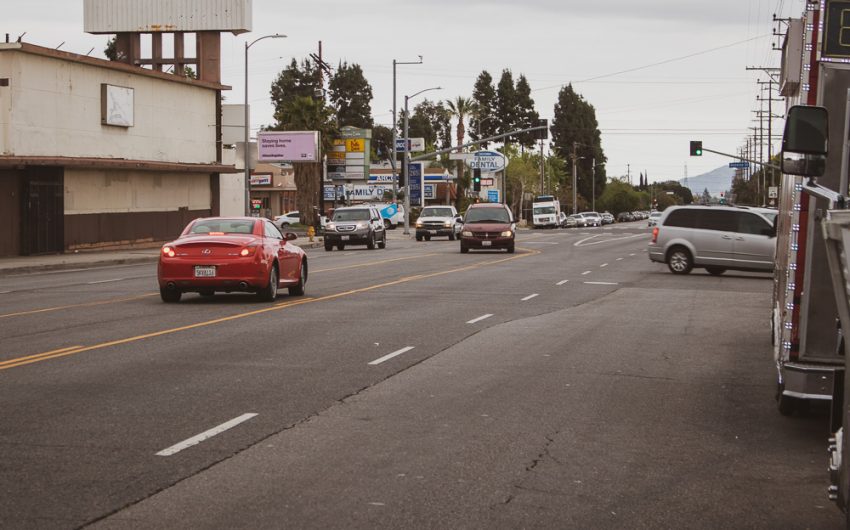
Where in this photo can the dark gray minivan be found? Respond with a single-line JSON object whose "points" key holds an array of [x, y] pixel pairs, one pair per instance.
{"points": [[715, 238]]}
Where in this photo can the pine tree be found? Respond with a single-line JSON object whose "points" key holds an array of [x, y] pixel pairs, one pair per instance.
{"points": [[483, 121], [526, 115], [351, 94], [506, 104]]}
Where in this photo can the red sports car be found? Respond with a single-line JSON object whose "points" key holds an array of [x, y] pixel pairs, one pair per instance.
{"points": [[231, 254]]}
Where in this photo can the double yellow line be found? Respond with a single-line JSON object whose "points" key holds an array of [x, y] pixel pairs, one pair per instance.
{"points": [[73, 350]]}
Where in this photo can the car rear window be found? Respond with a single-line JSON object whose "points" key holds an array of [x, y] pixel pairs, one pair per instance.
{"points": [[222, 226]]}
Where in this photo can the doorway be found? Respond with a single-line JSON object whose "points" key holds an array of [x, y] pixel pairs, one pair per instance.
{"points": [[43, 203]]}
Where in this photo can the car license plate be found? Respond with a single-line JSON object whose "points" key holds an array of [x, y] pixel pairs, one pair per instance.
{"points": [[486, 243], [204, 271], [432, 232], [344, 238]]}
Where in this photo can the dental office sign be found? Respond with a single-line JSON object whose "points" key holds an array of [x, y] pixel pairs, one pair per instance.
{"points": [[488, 161]]}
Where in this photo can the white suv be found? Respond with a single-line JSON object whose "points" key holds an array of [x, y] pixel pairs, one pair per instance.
{"points": [[438, 221]]}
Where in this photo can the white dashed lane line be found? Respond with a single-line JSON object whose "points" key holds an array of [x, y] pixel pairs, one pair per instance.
{"points": [[106, 281], [585, 273], [603, 265], [529, 297], [601, 283], [619, 259], [195, 440], [562, 282], [391, 355], [479, 319]]}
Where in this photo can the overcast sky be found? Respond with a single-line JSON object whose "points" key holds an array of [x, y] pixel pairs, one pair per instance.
{"points": [[647, 115]]}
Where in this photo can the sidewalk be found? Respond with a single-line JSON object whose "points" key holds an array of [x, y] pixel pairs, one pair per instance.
{"points": [[94, 258]]}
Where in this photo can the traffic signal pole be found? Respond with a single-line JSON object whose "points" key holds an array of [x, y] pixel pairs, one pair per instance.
{"points": [[744, 159]]}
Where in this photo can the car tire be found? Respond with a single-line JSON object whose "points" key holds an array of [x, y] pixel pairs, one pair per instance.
{"points": [[418, 237], [269, 292], [715, 271], [463, 249], [679, 260], [328, 247], [340, 246], [428, 237], [383, 243], [298, 289], [371, 243], [169, 296]]}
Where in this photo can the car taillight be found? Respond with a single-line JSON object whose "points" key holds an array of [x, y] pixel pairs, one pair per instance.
{"points": [[168, 251], [655, 235], [248, 251]]}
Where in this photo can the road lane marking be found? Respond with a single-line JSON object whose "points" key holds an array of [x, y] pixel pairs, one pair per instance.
{"points": [[195, 440], [604, 239], [106, 281], [72, 306], [5, 292], [13, 363], [373, 263], [391, 355], [632, 254], [479, 319], [585, 273], [601, 283], [540, 242], [619, 259], [38, 357], [562, 282], [529, 297], [603, 265]]}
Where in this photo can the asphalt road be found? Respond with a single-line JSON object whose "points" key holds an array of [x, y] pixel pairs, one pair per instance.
{"points": [[573, 384]]}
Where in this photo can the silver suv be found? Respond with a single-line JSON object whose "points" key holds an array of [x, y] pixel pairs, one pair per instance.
{"points": [[716, 238], [438, 221], [356, 225]]}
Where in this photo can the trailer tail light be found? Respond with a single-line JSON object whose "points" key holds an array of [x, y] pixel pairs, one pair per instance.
{"points": [[655, 235]]}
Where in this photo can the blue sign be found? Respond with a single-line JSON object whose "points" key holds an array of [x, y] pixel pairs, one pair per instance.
{"points": [[414, 175], [492, 195], [389, 212], [739, 165]]}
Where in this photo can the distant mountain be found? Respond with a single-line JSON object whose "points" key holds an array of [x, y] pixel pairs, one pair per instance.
{"points": [[716, 181]]}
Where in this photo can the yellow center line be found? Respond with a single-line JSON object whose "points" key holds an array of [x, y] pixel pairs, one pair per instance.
{"points": [[21, 361], [373, 263], [72, 306]]}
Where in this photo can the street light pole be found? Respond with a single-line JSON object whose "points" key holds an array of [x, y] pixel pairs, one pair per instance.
{"points": [[248, 123], [395, 129], [405, 164], [574, 156]]}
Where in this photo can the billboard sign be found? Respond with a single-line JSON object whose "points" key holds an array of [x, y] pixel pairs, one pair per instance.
{"points": [[289, 146], [488, 161]]}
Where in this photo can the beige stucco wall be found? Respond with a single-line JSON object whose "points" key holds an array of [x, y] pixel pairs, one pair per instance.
{"points": [[55, 111], [89, 191]]}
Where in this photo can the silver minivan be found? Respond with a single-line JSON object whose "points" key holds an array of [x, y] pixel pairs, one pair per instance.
{"points": [[715, 238]]}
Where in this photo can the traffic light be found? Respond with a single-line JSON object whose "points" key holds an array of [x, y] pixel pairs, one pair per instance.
{"points": [[542, 134], [696, 148], [476, 180]]}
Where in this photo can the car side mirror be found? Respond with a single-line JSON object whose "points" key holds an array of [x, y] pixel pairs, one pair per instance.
{"points": [[289, 236], [805, 141]]}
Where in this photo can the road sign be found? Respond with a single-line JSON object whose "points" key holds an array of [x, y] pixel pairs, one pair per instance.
{"points": [[414, 174], [739, 165], [772, 192], [415, 145], [489, 161], [493, 195]]}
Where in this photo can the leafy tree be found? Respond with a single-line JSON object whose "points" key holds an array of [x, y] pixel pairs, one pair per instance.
{"points": [[431, 121], [111, 51], [526, 115], [351, 94], [460, 108], [506, 104], [575, 124], [295, 81], [522, 175], [483, 122], [382, 140], [618, 197]]}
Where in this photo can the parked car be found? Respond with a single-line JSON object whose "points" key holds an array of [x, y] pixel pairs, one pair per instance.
{"points": [[289, 218], [438, 221], [562, 219], [580, 220], [356, 225], [231, 254], [571, 221], [607, 218], [716, 238], [591, 219], [625, 217], [488, 226]]}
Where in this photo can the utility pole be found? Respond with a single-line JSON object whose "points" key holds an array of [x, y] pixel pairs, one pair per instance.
{"points": [[770, 100], [574, 157], [395, 129]]}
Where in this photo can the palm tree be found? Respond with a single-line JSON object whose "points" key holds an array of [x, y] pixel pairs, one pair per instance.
{"points": [[460, 108]]}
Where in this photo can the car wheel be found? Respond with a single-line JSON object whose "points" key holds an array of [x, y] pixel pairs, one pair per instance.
{"points": [[298, 289], [340, 246], [716, 271], [452, 236], [418, 238], [463, 249], [169, 296], [383, 243], [328, 246], [269, 293], [371, 243], [679, 260]]}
